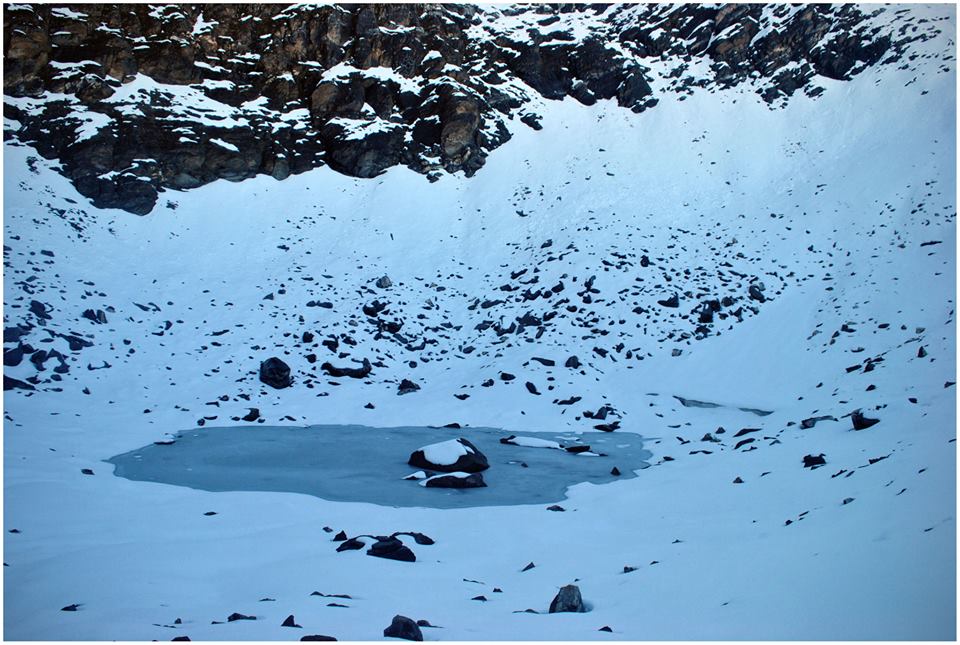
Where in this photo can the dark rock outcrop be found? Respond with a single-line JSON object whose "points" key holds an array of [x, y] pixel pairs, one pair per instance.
{"points": [[362, 88]]}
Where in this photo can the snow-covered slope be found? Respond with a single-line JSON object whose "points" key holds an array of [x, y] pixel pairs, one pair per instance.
{"points": [[838, 209]]}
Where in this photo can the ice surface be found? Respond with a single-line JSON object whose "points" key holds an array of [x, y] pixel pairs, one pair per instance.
{"points": [[350, 463]]}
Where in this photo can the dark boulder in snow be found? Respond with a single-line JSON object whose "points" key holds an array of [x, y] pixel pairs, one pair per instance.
{"points": [[290, 622], [10, 383], [672, 302], [756, 293], [814, 461], [374, 308], [253, 415], [317, 637], [573, 363], [419, 538], [384, 283], [456, 455], [456, 480], [861, 422], [405, 628], [806, 424], [392, 549], [352, 372], [353, 544], [275, 373], [406, 387], [96, 316], [567, 600], [236, 616]]}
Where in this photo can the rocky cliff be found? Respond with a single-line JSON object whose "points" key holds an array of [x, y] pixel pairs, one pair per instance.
{"points": [[134, 100]]}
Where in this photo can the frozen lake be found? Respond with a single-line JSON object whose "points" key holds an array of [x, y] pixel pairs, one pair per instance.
{"points": [[351, 463]]}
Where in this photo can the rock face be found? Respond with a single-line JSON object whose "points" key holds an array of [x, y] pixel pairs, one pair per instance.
{"points": [[403, 627], [275, 373], [457, 455], [567, 600], [121, 95]]}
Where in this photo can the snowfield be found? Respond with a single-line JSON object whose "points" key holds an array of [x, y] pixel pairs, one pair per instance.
{"points": [[842, 206]]}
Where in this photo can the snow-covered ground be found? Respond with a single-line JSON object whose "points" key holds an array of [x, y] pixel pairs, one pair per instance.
{"points": [[831, 203]]}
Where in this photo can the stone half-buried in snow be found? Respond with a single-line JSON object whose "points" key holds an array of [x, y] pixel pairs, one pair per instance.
{"points": [[568, 599], [456, 455], [405, 628]]}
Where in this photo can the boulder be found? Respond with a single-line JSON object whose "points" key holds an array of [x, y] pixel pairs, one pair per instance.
{"points": [[352, 372], [455, 480], [567, 600], [275, 373], [392, 549], [456, 455], [861, 422], [353, 544], [406, 387], [814, 461], [672, 302], [405, 628]]}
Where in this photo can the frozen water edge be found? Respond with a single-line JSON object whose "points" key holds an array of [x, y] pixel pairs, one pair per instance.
{"points": [[352, 463]]}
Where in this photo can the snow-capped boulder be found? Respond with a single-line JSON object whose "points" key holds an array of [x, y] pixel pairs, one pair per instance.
{"points": [[455, 480], [531, 442], [456, 455]]}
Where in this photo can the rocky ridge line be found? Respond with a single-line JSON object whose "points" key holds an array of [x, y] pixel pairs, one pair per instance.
{"points": [[138, 99]]}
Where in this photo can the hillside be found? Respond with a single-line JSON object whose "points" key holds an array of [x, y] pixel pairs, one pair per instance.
{"points": [[722, 229]]}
